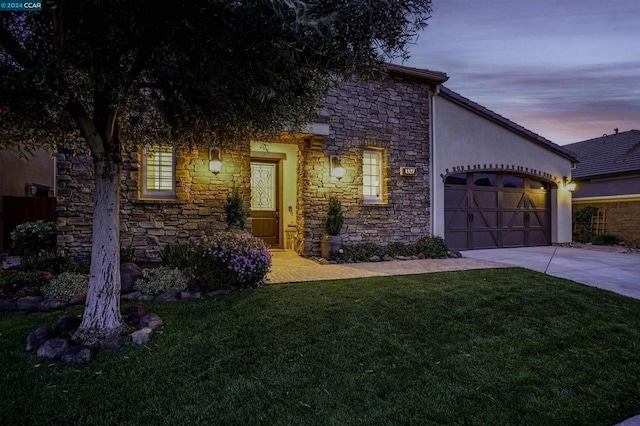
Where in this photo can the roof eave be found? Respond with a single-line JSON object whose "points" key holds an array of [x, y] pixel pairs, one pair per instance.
{"points": [[431, 76]]}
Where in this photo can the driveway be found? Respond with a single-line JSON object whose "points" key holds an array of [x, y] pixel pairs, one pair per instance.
{"points": [[608, 268]]}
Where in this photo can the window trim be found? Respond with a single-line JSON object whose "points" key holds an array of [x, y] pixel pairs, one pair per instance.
{"points": [[147, 194], [379, 199]]}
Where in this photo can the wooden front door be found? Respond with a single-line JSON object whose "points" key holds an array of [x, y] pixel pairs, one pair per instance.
{"points": [[265, 201]]}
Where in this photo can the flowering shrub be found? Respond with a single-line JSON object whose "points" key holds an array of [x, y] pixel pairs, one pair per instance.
{"points": [[18, 283], [67, 284], [160, 280], [32, 237], [234, 258]]}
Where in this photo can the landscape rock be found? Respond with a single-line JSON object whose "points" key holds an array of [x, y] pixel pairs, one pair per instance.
{"points": [[29, 303], [37, 338], [145, 298], [77, 355], [190, 295], [65, 325], [43, 276], [168, 296], [375, 259], [113, 343], [387, 258], [141, 336], [8, 305], [220, 292], [403, 258], [152, 321], [421, 256], [48, 305], [132, 296], [78, 299], [53, 348], [455, 254], [134, 313], [129, 273]]}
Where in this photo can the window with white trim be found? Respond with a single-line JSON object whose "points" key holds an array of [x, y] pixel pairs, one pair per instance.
{"points": [[158, 172], [372, 175]]}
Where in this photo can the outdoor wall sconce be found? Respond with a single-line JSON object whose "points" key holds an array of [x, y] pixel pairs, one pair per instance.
{"points": [[215, 163], [569, 185], [337, 171]]}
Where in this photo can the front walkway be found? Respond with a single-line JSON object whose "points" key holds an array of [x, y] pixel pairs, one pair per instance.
{"points": [[289, 267]]}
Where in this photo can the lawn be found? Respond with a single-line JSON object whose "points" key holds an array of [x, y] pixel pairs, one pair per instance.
{"points": [[504, 346]]}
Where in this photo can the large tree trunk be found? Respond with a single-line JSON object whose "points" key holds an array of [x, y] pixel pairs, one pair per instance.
{"points": [[102, 316]]}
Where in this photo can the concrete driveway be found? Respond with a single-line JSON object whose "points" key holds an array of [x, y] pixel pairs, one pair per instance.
{"points": [[608, 268]]}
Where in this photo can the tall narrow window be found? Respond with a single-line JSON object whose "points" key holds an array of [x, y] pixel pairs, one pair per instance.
{"points": [[372, 176], [158, 172]]}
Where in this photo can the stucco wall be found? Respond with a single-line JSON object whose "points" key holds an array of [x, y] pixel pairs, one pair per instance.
{"points": [[392, 116], [627, 185], [16, 173], [464, 139]]}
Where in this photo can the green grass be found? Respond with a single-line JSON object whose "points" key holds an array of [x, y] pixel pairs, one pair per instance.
{"points": [[504, 346]]}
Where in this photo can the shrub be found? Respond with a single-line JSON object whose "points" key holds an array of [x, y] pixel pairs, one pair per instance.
{"points": [[20, 283], [335, 219], [234, 210], [582, 223], [67, 284], [32, 237], [127, 254], [358, 252], [180, 256], [607, 240], [432, 247], [160, 280], [52, 261], [231, 258]]}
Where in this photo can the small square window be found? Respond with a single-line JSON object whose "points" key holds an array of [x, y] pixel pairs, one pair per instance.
{"points": [[158, 172], [372, 176]]}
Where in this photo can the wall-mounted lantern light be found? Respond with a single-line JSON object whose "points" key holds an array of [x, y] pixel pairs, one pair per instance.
{"points": [[215, 163], [337, 171], [569, 185]]}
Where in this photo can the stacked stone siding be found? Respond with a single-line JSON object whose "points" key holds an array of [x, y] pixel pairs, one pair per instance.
{"points": [[390, 115], [621, 218], [148, 225]]}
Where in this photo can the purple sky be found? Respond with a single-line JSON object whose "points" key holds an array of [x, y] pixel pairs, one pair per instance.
{"points": [[566, 69]]}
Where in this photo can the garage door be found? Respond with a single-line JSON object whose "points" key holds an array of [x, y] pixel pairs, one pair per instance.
{"points": [[489, 210]]}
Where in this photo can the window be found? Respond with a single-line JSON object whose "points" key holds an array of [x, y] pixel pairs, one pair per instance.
{"points": [[158, 172], [372, 176]]}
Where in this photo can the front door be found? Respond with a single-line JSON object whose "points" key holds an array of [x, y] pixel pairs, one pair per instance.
{"points": [[265, 205]]}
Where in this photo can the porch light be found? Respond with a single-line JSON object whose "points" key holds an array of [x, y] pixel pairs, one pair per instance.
{"points": [[215, 163], [569, 185], [337, 171]]}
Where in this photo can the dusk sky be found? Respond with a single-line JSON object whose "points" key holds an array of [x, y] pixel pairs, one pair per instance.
{"points": [[568, 70]]}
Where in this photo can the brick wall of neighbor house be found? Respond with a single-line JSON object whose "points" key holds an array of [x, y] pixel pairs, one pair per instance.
{"points": [[621, 218], [148, 225], [391, 115]]}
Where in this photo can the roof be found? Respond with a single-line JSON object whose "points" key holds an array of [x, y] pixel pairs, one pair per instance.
{"points": [[607, 155], [432, 76], [460, 100]]}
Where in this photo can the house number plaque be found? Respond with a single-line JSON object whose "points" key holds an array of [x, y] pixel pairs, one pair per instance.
{"points": [[408, 171]]}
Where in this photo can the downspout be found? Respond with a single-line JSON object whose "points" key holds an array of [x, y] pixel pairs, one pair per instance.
{"points": [[432, 158]]}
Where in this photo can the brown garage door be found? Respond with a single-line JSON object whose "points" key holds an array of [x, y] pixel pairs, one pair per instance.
{"points": [[489, 210]]}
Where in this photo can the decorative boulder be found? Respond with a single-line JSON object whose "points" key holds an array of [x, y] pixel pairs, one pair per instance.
{"points": [[387, 258], [48, 305], [37, 338], [190, 295], [152, 321], [77, 355], [455, 254], [129, 273], [112, 343], [29, 303], [168, 296], [141, 336], [375, 259], [53, 348], [132, 296], [65, 325], [78, 299], [134, 313], [7, 305]]}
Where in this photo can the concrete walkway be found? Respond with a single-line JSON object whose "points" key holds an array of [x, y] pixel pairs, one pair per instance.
{"points": [[289, 267], [609, 268]]}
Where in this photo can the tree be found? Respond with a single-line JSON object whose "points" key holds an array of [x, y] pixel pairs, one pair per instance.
{"points": [[121, 74]]}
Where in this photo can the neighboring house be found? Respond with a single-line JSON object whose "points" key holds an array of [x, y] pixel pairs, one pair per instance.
{"points": [[27, 188], [608, 177], [407, 158]]}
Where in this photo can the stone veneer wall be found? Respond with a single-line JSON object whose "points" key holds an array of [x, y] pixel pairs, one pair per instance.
{"points": [[148, 225], [391, 115]]}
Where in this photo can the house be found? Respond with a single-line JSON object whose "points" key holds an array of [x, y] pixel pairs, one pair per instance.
{"points": [[608, 177], [406, 157], [26, 189]]}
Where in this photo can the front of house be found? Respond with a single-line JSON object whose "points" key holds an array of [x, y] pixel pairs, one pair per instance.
{"points": [[372, 147]]}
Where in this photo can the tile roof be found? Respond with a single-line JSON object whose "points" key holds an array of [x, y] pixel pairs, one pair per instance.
{"points": [[607, 155], [505, 122]]}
